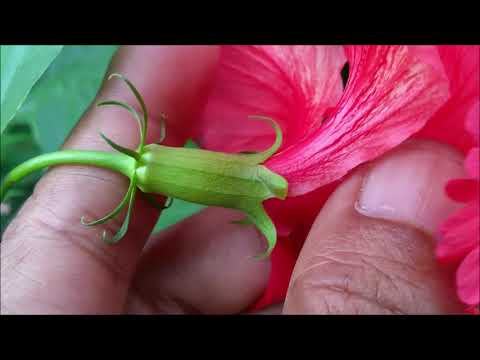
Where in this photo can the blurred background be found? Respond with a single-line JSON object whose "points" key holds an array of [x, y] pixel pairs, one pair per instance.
{"points": [[44, 92]]}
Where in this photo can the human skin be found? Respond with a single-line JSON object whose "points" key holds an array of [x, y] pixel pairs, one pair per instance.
{"points": [[357, 258]]}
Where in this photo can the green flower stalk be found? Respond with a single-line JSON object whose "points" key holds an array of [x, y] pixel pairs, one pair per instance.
{"points": [[237, 181]]}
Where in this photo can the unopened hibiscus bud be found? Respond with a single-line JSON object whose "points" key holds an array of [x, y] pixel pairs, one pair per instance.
{"points": [[210, 178], [237, 181]]}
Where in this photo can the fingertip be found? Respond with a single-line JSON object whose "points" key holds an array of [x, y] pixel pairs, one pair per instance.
{"points": [[206, 262], [408, 185], [354, 261]]}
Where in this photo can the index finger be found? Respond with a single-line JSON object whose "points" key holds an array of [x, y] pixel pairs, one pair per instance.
{"points": [[50, 263]]}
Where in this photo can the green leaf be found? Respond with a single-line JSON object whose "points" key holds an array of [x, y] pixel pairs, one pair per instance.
{"points": [[21, 67], [64, 92], [17, 146]]}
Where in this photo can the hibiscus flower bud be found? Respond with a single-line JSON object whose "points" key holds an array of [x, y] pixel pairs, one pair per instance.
{"points": [[207, 177], [237, 181]]}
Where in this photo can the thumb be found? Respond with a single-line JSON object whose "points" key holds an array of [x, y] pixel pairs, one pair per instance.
{"points": [[371, 248]]}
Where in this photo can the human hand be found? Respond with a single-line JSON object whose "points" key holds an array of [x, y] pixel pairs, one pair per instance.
{"points": [[52, 264], [351, 262]]}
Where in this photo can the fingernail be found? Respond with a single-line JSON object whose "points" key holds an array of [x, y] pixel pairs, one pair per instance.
{"points": [[407, 186]]}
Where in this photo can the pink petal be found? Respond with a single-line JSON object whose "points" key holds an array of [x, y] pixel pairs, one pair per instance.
{"points": [[472, 163], [463, 190], [389, 96], [295, 85], [460, 234], [468, 278], [429, 54], [472, 123], [462, 66]]}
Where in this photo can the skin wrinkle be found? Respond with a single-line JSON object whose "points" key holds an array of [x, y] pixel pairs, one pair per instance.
{"points": [[342, 285], [19, 261], [327, 306], [13, 265], [66, 178], [7, 251], [34, 299], [364, 256], [394, 276], [371, 260], [53, 308], [99, 255], [115, 273], [373, 301], [58, 226], [73, 237], [112, 181], [395, 280], [342, 292]]}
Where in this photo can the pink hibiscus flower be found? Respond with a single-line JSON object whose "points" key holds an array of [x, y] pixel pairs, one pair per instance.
{"points": [[460, 244], [391, 93], [460, 234]]}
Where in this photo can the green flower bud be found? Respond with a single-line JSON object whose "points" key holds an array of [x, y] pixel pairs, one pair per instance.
{"points": [[207, 177], [212, 178], [237, 181]]}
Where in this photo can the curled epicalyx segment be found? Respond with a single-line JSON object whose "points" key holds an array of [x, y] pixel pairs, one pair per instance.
{"points": [[129, 198]]}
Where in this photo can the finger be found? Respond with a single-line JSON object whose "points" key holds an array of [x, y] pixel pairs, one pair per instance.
{"points": [[50, 263], [376, 256], [204, 265]]}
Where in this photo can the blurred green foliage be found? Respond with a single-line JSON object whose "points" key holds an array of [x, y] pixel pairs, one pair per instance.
{"points": [[16, 146], [21, 67], [64, 92], [52, 104]]}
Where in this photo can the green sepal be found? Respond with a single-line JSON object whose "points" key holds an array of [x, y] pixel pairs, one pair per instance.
{"points": [[120, 148], [134, 113], [261, 157], [262, 221], [139, 98], [114, 212], [126, 222]]}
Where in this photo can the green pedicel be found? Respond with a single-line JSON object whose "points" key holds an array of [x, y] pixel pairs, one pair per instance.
{"points": [[236, 181]]}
